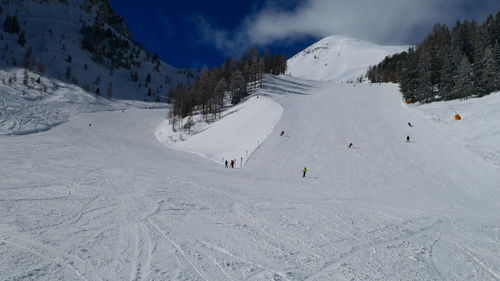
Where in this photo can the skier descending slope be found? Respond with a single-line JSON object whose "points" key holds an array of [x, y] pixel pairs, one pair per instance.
{"points": [[304, 171]]}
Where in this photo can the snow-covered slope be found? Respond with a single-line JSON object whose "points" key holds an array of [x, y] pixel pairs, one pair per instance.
{"points": [[110, 202], [241, 130], [84, 43], [479, 129], [338, 58], [30, 104]]}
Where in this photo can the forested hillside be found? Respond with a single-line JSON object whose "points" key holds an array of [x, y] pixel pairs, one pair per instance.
{"points": [[455, 63], [228, 83]]}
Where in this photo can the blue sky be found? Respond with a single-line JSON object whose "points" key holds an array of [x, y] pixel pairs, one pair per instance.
{"points": [[194, 33], [172, 28]]}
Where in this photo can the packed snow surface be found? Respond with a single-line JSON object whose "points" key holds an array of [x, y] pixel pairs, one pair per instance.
{"points": [[338, 58], [236, 135], [111, 202]]}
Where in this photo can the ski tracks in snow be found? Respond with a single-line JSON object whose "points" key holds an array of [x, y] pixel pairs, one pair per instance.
{"points": [[179, 249], [469, 257]]}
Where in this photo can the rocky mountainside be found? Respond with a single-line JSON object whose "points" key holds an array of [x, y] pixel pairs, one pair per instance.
{"points": [[83, 42]]}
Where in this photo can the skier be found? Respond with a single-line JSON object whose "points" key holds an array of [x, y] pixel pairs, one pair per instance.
{"points": [[226, 163], [232, 164], [90, 124], [282, 133], [407, 139], [350, 145], [304, 171], [409, 124]]}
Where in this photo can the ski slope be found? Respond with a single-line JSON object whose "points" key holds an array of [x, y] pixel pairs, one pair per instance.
{"points": [[111, 202], [338, 58]]}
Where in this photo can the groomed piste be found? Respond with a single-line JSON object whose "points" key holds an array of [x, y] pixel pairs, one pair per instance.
{"points": [[111, 202]]}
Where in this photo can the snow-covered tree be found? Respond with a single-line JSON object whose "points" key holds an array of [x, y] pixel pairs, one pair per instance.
{"points": [[463, 80]]}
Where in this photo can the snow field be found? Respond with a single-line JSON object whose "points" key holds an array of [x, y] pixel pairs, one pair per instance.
{"points": [[110, 202]]}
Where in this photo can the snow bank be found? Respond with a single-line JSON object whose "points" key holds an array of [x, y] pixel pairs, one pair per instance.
{"points": [[236, 135]]}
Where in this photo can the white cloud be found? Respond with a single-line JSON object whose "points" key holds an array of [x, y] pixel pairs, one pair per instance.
{"points": [[382, 21]]}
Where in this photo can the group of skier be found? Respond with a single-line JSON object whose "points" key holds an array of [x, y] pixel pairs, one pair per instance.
{"points": [[232, 162], [408, 137], [304, 171]]}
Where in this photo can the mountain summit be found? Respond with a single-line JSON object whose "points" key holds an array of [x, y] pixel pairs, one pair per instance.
{"points": [[338, 58]]}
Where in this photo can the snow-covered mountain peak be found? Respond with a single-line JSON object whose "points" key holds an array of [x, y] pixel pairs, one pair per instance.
{"points": [[338, 58]]}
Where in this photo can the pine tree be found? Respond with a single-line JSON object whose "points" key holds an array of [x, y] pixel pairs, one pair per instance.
{"points": [[15, 25], [487, 82], [267, 60], [22, 39], [11, 25], [28, 56], [424, 92], [481, 43], [41, 68], [68, 72], [448, 71], [408, 85], [97, 80], [135, 76], [220, 91], [110, 89], [26, 77], [496, 51], [496, 55], [463, 80], [237, 85], [148, 78]]}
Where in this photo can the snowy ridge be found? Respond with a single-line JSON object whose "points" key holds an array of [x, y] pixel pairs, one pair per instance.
{"points": [[338, 58]]}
